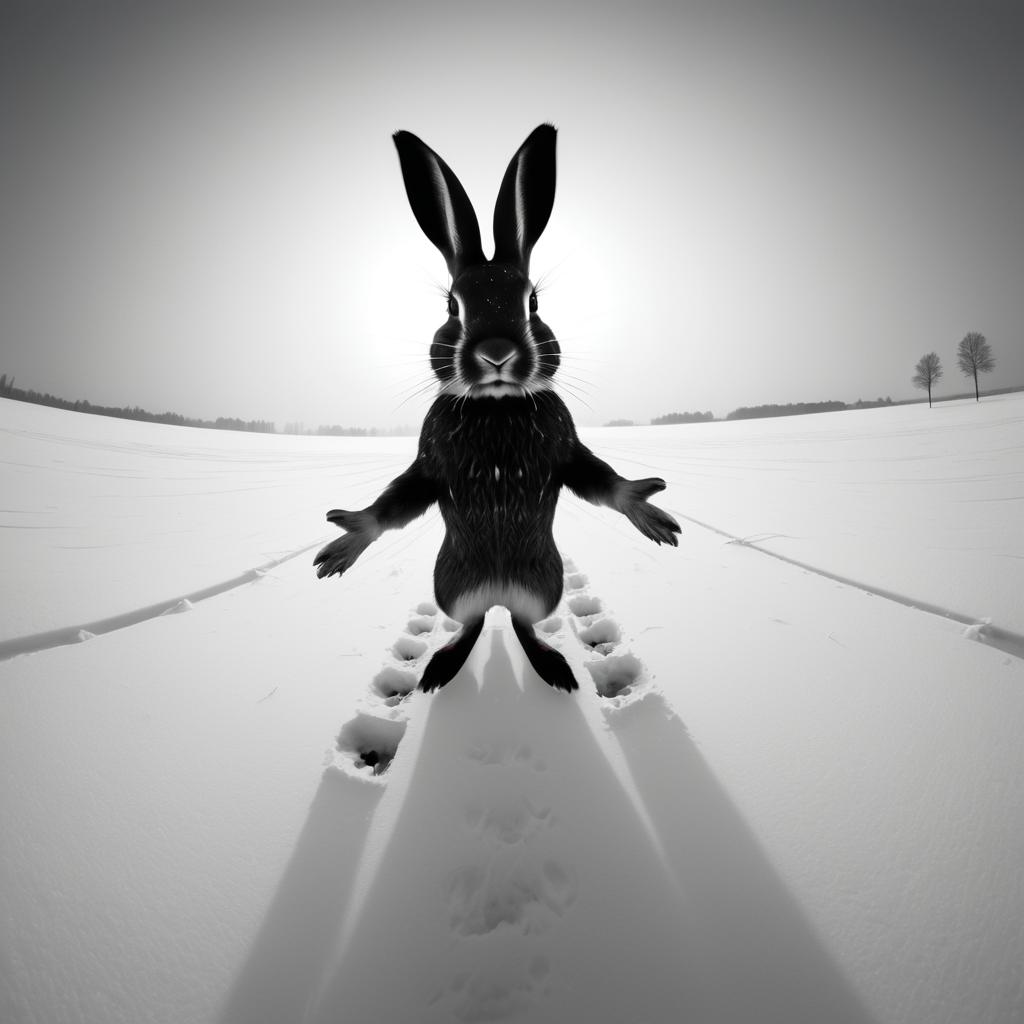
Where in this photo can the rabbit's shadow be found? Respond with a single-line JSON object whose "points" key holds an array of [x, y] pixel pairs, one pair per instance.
{"points": [[293, 944], [519, 881], [762, 959]]}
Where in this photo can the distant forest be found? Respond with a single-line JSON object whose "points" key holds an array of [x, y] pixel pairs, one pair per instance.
{"points": [[755, 412], [8, 390], [752, 412], [683, 417]]}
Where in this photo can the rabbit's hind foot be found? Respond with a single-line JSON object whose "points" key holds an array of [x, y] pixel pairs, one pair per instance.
{"points": [[548, 663], [446, 661]]}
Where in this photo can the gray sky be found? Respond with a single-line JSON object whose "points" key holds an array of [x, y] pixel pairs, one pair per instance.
{"points": [[774, 201]]}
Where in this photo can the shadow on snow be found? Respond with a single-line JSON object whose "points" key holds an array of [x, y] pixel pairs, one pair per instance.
{"points": [[519, 882]]}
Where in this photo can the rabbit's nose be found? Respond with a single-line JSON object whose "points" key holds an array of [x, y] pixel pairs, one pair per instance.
{"points": [[495, 352]]}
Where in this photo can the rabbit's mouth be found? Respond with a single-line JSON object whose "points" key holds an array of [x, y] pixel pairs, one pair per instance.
{"points": [[497, 389]]}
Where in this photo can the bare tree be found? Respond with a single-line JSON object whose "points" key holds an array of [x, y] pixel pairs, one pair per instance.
{"points": [[929, 370], [973, 354]]}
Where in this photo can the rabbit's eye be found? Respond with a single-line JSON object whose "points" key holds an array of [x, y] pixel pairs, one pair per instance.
{"points": [[533, 302], [453, 305]]}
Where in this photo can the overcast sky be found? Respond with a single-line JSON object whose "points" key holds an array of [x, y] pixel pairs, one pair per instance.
{"points": [[766, 201]]}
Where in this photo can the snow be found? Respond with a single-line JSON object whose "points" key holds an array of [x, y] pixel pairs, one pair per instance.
{"points": [[777, 796]]}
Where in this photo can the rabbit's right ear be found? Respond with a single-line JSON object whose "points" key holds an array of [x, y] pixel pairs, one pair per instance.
{"points": [[525, 198], [439, 203]]}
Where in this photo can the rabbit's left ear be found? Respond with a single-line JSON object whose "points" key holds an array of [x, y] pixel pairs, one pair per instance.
{"points": [[525, 198], [439, 203]]}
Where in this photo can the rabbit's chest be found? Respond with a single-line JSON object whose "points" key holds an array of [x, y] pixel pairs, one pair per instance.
{"points": [[502, 459], [511, 469]]}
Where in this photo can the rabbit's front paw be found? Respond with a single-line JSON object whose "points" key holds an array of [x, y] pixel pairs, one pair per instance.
{"points": [[336, 557], [653, 523], [650, 520], [363, 529]]}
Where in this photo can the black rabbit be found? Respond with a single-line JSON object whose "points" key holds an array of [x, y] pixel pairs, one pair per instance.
{"points": [[498, 444]]}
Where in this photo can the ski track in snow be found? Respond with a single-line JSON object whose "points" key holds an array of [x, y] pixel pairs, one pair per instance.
{"points": [[35, 642], [982, 630], [978, 629]]}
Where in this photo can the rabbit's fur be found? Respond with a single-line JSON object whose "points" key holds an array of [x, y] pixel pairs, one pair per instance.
{"points": [[498, 444]]}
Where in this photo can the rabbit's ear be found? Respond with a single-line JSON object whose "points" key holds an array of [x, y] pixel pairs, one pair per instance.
{"points": [[440, 203], [525, 198]]}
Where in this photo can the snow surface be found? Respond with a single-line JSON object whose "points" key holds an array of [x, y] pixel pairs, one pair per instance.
{"points": [[777, 796]]}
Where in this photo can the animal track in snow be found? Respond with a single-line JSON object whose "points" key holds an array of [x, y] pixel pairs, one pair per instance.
{"points": [[616, 674], [520, 895], [510, 824], [368, 742], [393, 685], [489, 753], [479, 998], [601, 633], [405, 648], [419, 625], [584, 604], [501, 752], [509, 888], [371, 742]]}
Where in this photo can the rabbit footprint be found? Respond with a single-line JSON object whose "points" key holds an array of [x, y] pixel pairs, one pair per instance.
{"points": [[419, 625], [601, 633], [559, 887], [393, 685], [505, 993], [617, 675], [369, 743], [523, 898], [406, 648], [508, 825], [584, 604]]}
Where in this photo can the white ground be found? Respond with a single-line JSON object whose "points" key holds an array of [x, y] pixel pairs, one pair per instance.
{"points": [[835, 834]]}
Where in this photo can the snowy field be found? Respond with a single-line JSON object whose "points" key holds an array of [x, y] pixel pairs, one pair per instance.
{"points": [[790, 788]]}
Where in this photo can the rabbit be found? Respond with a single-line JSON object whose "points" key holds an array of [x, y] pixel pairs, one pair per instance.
{"points": [[498, 444]]}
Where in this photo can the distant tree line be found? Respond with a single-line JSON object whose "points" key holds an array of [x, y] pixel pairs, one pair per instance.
{"points": [[750, 412], [973, 356], [672, 417], [754, 412], [683, 417], [336, 431], [8, 390]]}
